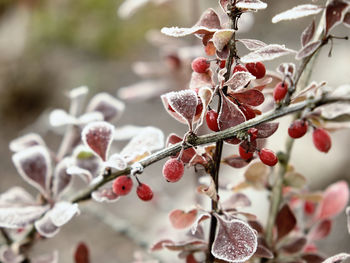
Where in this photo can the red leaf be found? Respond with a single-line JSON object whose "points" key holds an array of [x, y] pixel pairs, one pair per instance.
{"points": [[181, 219], [187, 154], [98, 136], [285, 221], [307, 34], [239, 79], [229, 115], [335, 199], [263, 252], [251, 97], [308, 49], [312, 258], [321, 230], [334, 13], [81, 254], [296, 245], [235, 240], [249, 146], [235, 161], [265, 130]]}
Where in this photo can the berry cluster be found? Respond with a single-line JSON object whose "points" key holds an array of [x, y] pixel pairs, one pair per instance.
{"points": [[123, 185]]}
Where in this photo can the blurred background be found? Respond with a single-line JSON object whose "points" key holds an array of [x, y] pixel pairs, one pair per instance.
{"points": [[49, 47]]}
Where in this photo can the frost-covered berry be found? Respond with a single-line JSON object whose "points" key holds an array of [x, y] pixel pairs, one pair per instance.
{"points": [[200, 65], [122, 185], [173, 170], [297, 129], [257, 69], [322, 140], [144, 192], [244, 154], [239, 68], [268, 157], [280, 91], [212, 120]]}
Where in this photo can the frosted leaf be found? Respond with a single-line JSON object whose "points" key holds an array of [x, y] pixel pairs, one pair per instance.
{"points": [[199, 219], [265, 130], [337, 258], [297, 12], [7, 255], [235, 240], [308, 34], [127, 132], [257, 174], [268, 52], [229, 115], [130, 7], [60, 117], [79, 92], [209, 190], [183, 103], [335, 199], [90, 117], [308, 49], [285, 221], [252, 44], [61, 179], [336, 112], [251, 4], [45, 226], [236, 200], [206, 95], [187, 154], [223, 4], [20, 216], [34, 165], [209, 19], [252, 97], [83, 173], [62, 213], [48, 258], [105, 194], [143, 90], [200, 80], [116, 161], [321, 230], [183, 31], [16, 195], [192, 244], [239, 80], [180, 219], [150, 139], [334, 13], [98, 136], [263, 252], [346, 19], [26, 141], [222, 37], [110, 107], [341, 91]]}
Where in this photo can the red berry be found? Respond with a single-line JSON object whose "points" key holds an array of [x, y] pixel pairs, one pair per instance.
{"points": [[244, 154], [212, 120], [268, 157], [322, 140], [200, 65], [222, 63], [253, 133], [122, 185], [247, 111], [144, 192], [309, 207], [257, 69], [280, 91], [239, 68], [173, 170], [297, 129]]}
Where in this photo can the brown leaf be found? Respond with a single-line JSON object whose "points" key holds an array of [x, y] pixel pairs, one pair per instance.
{"points": [[257, 174], [308, 50], [285, 221], [334, 13], [235, 161], [312, 258], [294, 246], [308, 34], [209, 190]]}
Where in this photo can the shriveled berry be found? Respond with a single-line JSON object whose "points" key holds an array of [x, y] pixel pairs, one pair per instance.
{"points": [[280, 91], [297, 129], [122, 185], [212, 120], [200, 65], [309, 207], [173, 170], [257, 69], [322, 140], [253, 133], [244, 154], [144, 192], [239, 68], [268, 157]]}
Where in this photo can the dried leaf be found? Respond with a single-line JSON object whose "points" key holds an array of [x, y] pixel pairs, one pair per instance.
{"points": [[20, 216], [239, 80], [81, 254], [312, 197], [251, 5], [180, 219], [295, 246], [265, 130], [61, 179], [150, 139], [308, 34], [257, 174], [308, 50], [236, 200], [105, 194], [268, 52], [209, 190], [334, 13], [221, 38], [26, 141], [206, 95], [337, 258], [321, 230], [235, 161], [294, 179], [229, 115], [188, 245], [98, 136], [252, 44], [285, 221], [34, 165], [335, 199], [297, 12], [110, 107], [235, 240]]}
